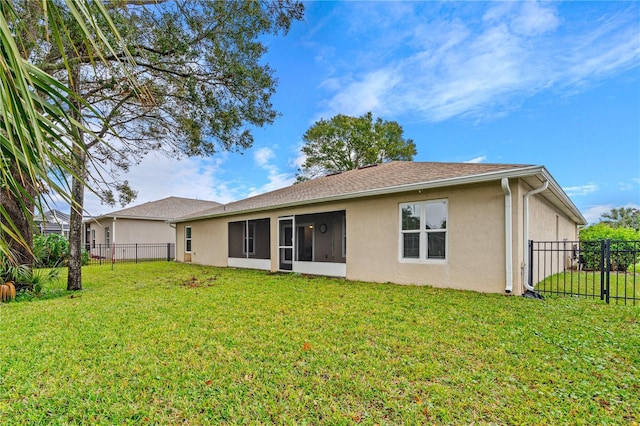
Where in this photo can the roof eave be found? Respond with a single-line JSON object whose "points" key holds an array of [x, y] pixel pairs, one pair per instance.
{"points": [[440, 183], [111, 216], [564, 198]]}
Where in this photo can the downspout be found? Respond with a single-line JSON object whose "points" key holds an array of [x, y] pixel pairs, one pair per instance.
{"points": [[508, 235], [525, 237]]}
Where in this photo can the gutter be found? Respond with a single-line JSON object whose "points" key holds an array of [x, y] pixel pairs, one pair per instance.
{"points": [[508, 235], [525, 236], [440, 183]]}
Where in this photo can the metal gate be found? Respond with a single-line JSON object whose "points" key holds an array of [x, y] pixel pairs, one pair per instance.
{"points": [[606, 269]]}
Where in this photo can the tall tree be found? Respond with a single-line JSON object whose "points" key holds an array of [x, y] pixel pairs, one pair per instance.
{"points": [[203, 86], [346, 143], [622, 217], [37, 130]]}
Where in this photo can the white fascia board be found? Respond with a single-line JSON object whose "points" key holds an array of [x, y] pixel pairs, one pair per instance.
{"points": [[111, 216], [563, 197]]}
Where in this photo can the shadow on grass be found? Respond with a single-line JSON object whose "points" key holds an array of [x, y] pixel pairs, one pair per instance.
{"points": [[30, 296]]}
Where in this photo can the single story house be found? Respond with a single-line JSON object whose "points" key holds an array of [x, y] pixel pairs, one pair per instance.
{"points": [[146, 223], [52, 222], [455, 225]]}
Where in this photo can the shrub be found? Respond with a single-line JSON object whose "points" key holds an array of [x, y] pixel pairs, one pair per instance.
{"points": [[24, 277], [625, 243], [52, 251]]}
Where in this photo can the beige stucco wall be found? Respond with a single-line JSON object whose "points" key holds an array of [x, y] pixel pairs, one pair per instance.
{"points": [[475, 241], [209, 241], [546, 223], [129, 231]]}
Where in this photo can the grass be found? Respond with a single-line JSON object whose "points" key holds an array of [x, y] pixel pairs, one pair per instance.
{"points": [[624, 286], [165, 343]]}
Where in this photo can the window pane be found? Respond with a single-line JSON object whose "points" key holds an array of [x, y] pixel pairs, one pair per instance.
{"points": [[436, 215], [188, 245], [411, 245], [187, 232], [410, 217], [436, 245]]}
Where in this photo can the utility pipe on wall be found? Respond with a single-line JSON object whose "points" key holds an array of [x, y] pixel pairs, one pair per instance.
{"points": [[508, 237], [525, 236]]}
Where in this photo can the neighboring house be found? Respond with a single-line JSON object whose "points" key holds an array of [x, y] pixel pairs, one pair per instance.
{"points": [[456, 225], [143, 224], [52, 222]]}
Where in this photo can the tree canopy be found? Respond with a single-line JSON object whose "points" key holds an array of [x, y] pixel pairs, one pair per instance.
{"points": [[622, 217], [187, 79], [345, 143]]}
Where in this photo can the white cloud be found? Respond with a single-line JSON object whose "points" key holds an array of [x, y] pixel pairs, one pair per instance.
{"points": [[158, 177], [359, 97], [628, 186], [450, 68], [580, 190], [534, 19], [479, 159], [263, 158], [594, 212]]}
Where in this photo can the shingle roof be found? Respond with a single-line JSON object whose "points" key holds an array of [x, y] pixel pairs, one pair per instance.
{"points": [[165, 209], [395, 174]]}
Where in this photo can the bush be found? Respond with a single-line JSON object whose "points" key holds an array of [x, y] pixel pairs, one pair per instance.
{"points": [[625, 243], [24, 277], [52, 251]]}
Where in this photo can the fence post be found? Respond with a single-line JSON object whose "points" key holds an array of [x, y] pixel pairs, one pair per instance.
{"points": [[168, 252], [530, 271], [608, 269], [136, 252], [605, 269]]}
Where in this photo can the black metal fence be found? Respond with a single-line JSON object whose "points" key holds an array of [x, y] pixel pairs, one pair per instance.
{"points": [[102, 254], [597, 269]]}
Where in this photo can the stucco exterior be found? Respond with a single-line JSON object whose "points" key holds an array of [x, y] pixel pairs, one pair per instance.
{"points": [[129, 231], [451, 229], [475, 236], [143, 225]]}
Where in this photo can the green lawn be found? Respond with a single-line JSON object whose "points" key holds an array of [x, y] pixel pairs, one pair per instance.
{"points": [[624, 286], [165, 343]]}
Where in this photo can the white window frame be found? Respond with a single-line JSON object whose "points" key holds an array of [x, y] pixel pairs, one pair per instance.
{"points": [[423, 233], [249, 236], [107, 237], [188, 240]]}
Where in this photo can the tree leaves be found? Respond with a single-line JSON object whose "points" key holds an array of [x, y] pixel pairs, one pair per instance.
{"points": [[347, 143]]}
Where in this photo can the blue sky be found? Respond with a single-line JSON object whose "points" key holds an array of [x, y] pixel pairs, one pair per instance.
{"points": [[552, 83]]}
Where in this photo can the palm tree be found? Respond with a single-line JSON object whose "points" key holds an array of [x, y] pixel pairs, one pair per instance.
{"points": [[38, 132], [622, 217]]}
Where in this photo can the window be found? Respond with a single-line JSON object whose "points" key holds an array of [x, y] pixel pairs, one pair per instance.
{"points": [[187, 239], [107, 237], [249, 238], [93, 238], [423, 230]]}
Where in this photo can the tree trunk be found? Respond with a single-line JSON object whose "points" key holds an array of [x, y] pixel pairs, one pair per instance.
{"points": [[20, 210], [79, 158], [74, 278]]}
